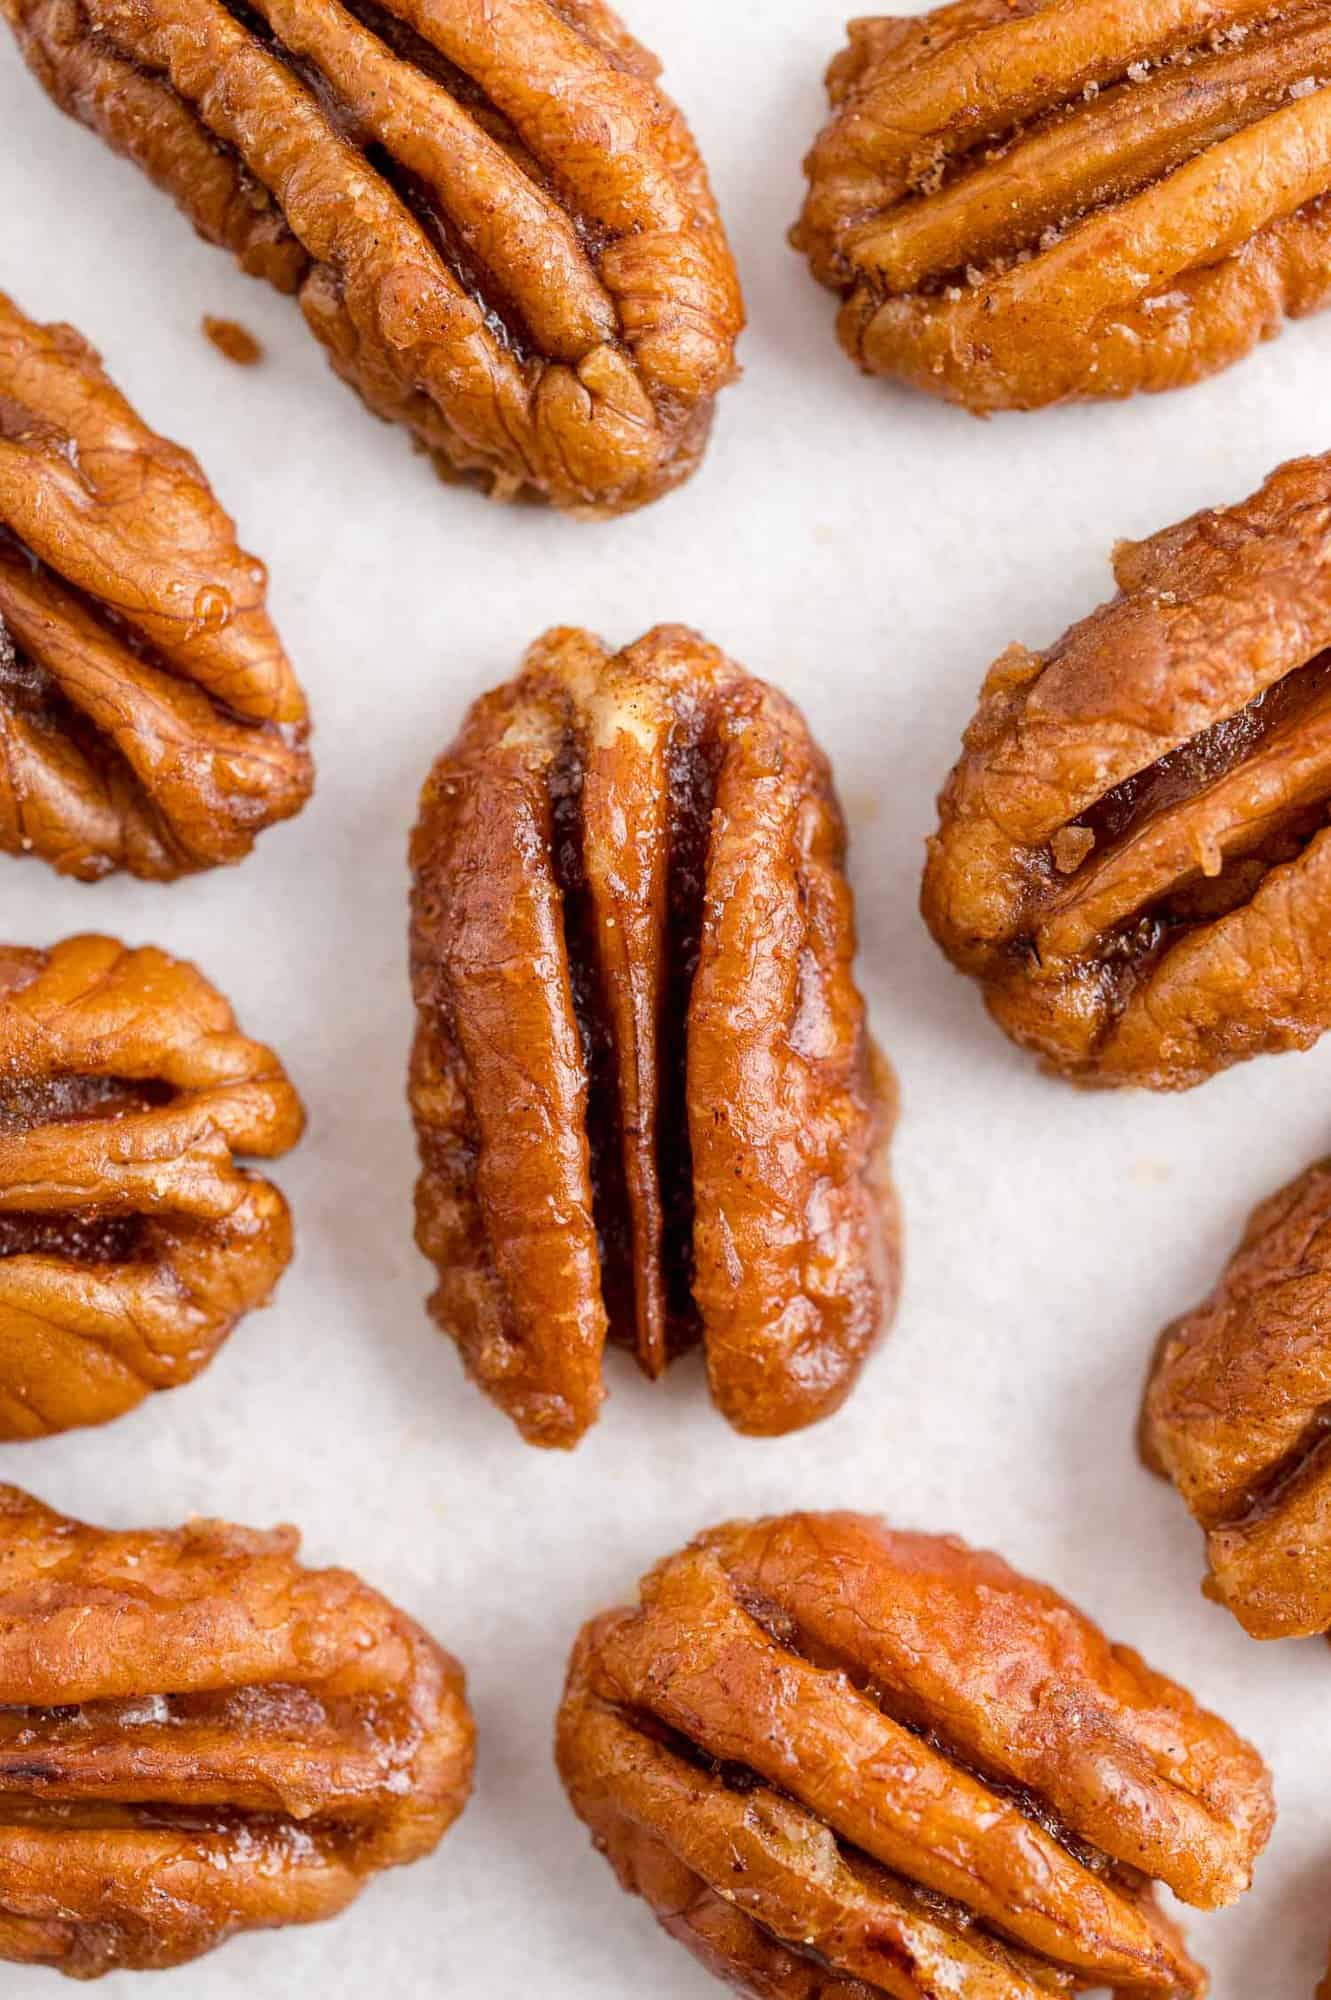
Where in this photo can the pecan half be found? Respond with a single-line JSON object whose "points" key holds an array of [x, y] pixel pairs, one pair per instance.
{"points": [[130, 1242], [1025, 201], [199, 1736], [647, 1102], [841, 1760], [496, 223], [149, 719], [1238, 1414], [1133, 854]]}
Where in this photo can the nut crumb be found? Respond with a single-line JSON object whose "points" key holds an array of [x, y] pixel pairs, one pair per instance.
{"points": [[233, 341]]}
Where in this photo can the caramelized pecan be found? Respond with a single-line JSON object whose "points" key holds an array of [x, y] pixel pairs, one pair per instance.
{"points": [[1133, 854], [647, 1103], [1024, 201], [1238, 1415], [149, 719], [496, 223], [130, 1242], [198, 1736], [841, 1760]]}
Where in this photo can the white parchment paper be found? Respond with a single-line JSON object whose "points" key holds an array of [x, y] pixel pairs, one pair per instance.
{"points": [[870, 553]]}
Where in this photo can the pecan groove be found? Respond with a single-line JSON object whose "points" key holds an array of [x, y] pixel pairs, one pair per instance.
{"points": [[1132, 854], [130, 1242], [149, 719], [1025, 201], [839, 1760], [496, 223], [647, 1102], [1238, 1415], [198, 1737]]}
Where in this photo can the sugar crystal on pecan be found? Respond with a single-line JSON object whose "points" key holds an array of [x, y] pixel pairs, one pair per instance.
{"points": [[841, 1760], [130, 1241], [199, 1736], [1025, 201], [647, 1102], [495, 221], [1133, 854], [149, 719]]}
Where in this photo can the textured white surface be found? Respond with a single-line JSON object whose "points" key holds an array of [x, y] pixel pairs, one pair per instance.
{"points": [[870, 553]]}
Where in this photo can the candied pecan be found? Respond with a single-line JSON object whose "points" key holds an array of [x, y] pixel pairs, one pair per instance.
{"points": [[841, 1760], [496, 223], [647, 1103], [1025, 201], [130, 1242], [149, 719], [199, 1736], [1133, 854], [1238, 1414]]}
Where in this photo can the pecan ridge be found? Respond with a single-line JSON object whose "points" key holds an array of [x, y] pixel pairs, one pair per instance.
{"points": [[840, 1759], [648, 1105], [199, 1736], [130, 1241], [1025, 201], [149, 719], [496, 223]]}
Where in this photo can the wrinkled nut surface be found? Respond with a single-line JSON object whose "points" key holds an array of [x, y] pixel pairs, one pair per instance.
{"points": [[1133, 855], [1238, 1415], [198, 1737], [1026, 201], [843, 1761], [149, 719], [647, 1103], [130, 1241], [496, 223]]}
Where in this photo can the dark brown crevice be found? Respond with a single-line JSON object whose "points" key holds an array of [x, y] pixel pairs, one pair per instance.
{"points": [[78, 1236], [1303, 1462], [66, 1100]]}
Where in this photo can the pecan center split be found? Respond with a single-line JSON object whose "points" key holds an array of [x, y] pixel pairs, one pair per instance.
{"points": [[648, 1106]]}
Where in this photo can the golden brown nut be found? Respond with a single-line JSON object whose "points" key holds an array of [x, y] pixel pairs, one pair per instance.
{"points": [[840, 1761], [496, 223], [1025, 201], [647, 1103], [1133, 855], [1236, 1414], [198, 1736], [130, 1242], [149, 719]]}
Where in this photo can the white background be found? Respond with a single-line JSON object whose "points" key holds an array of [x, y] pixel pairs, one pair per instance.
{"points": [[869, 552]]}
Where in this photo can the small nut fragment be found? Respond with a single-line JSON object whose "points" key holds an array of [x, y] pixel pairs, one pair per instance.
{"points": [[1186, 728], [1238, 1415], [838, 1759], [198, 1737], [647, 1103], [1027, 201], [149, 720], [130, 1242], [495, 221]]}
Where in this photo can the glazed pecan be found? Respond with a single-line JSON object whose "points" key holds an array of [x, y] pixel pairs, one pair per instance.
{"points": [[496, 223], [1133, 854], [149, 719], [1024, 201], [1238, 1415], [647, 1103], [130, 1242], [841, 1762], [198, 1736]]}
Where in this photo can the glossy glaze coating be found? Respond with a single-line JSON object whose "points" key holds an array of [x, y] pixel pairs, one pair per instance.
{"points": [[1236, 1415], [130, 1241], [1132, 854], [841, 1761], [1022, 202], [198, 1736], [496, 223], [647, 1102], [149, 719]]}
